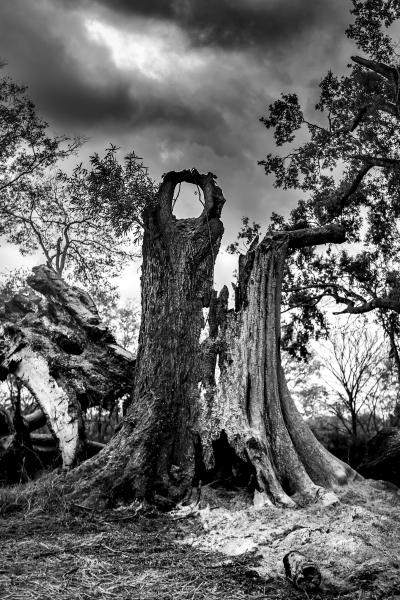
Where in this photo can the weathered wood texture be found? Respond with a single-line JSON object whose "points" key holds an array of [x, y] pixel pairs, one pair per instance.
{"points": [[153, 456], [213, 407], [56, 345], [250, 401]]}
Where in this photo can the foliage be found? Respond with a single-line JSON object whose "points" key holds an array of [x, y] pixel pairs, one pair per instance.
{"points": [[120, 192], [348, 376], [360, 378], [13, 281], [248, 233], [348, 388], [305, 384], [54, 215], [80, 221], [26, 147], [367, 29], [349, 168], [122, 319]]}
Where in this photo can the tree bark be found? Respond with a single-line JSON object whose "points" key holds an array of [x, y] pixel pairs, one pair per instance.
{"points": [[154, 454], [56, 346], [192, 422], [250, 402]]}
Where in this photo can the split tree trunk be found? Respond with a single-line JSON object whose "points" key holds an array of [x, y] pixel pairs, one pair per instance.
{"points": [[250, 402], [186, 425], [58, 349]]}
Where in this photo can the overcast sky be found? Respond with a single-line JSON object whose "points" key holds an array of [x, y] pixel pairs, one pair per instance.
{"points": [[182, 82]]}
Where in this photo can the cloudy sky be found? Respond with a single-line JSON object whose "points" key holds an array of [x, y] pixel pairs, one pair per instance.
{"points": [[182, 82]]}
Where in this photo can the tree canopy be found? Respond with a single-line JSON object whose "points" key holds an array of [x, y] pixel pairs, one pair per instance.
{"points": [[26, 146], [83, 222], [348, 166]]}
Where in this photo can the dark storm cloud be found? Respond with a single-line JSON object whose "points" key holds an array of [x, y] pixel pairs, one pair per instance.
{"points": [[204, 116], [224, 61], [35, 52], [85, 89], [235, 23]]}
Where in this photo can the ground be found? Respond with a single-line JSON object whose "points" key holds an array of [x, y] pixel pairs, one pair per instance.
{"points": [[54, 549]]}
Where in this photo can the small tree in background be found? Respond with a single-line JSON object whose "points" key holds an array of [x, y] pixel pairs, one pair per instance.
{"points": [[360, 378], [26, 146], [53, 215], [347, 389]]}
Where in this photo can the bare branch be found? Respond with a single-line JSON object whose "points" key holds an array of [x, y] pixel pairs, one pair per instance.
{"points": [[300, 238]]}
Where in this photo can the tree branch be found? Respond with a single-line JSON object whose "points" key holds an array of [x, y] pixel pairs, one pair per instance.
{"points": [[385, 71], [376, 161], [386, 303], [300, 238]]}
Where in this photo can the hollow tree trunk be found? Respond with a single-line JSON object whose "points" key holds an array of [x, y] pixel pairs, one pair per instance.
{"points": [[58, 349], [154, 453], [186, 425]]}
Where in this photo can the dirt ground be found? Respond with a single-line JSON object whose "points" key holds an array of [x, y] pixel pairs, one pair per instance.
{"points": [[58, 551]]}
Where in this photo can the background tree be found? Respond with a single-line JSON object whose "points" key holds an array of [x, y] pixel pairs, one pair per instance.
{"points": [[54, 215], [46, 211], [305, 383], [347, 389], [26, 147], [360, 378], [349, 168]]}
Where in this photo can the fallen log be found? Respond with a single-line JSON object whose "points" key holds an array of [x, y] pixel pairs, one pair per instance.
{"points": [[57, 347], [302, 572]]}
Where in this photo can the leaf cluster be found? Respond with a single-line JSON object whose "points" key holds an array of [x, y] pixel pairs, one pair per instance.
{"points": [[348, 167], [26, 147]]}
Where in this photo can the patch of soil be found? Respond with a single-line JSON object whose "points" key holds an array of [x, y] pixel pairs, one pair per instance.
{"points": [[355, 542], [74, 553]]}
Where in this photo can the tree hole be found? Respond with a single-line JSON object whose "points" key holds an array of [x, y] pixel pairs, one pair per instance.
{"points": [[230, 471], [187, 202]]}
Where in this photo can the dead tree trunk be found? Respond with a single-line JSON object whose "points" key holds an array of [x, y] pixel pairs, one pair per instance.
{"points": [[58, 349], [186, 425], [154, 453], [250, 402]]}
